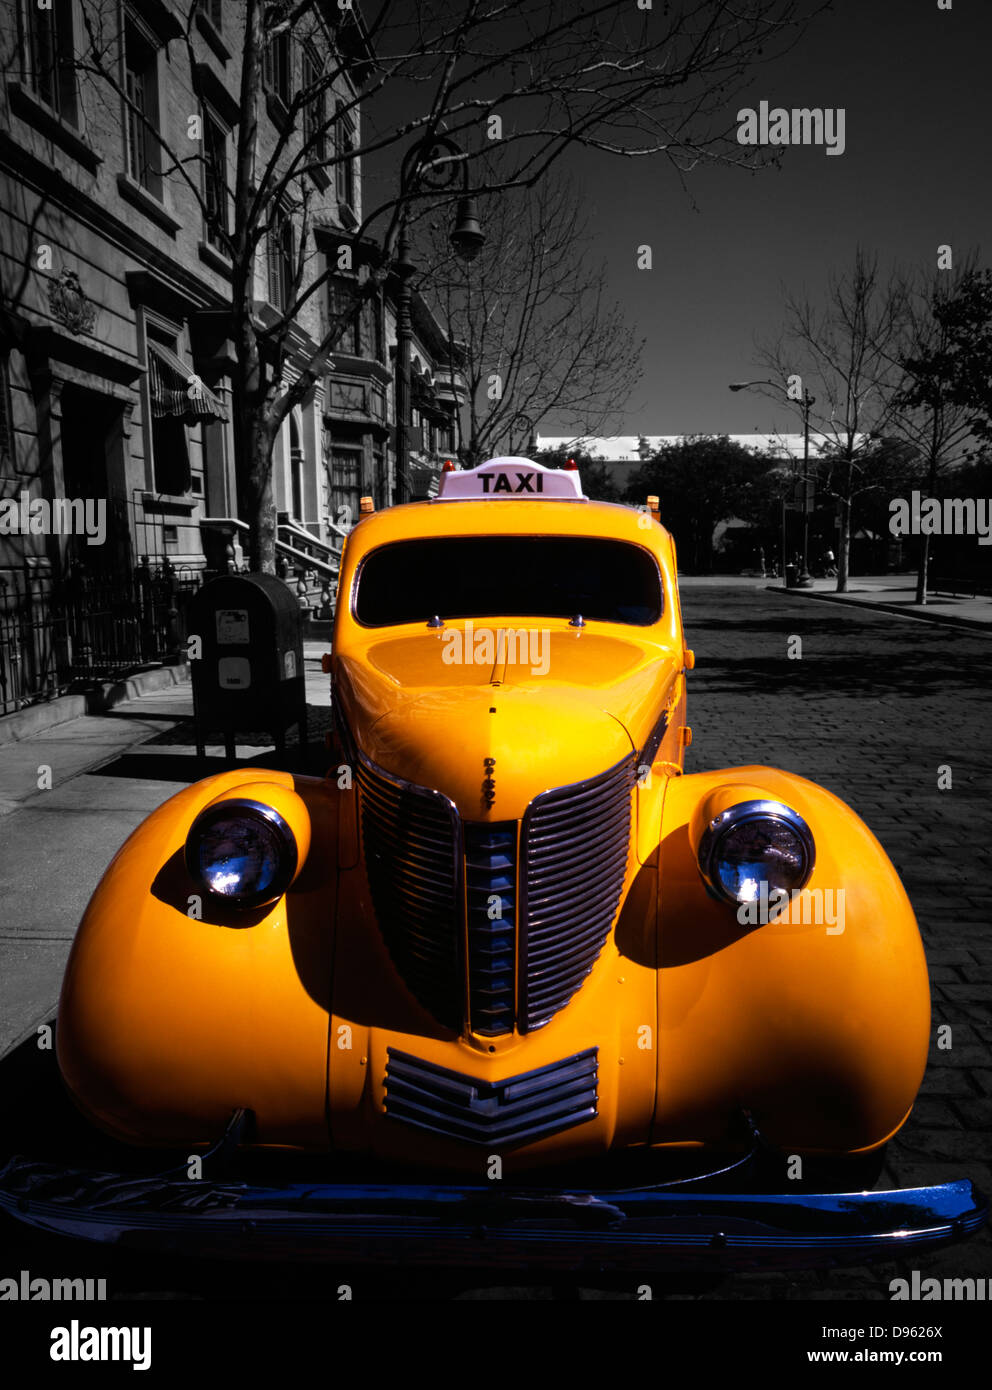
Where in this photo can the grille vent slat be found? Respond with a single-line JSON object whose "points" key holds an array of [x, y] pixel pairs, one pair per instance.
{"points": [[491, 870], [412, 856], [432, 879], [517, 1109], [574, 847]]}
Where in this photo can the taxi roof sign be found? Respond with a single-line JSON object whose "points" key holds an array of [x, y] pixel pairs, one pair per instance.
{"points": [[510, 477]]}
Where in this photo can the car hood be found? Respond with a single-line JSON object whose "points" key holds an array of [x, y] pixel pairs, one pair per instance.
{"points": [[537, 710]]}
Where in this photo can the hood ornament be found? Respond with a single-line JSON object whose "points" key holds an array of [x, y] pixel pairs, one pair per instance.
{"points": [[488, 783]]}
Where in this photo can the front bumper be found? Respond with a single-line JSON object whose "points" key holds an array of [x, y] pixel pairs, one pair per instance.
{"points": [[511, 1227]]}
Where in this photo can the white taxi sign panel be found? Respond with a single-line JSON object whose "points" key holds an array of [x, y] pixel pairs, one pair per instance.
{"points": [[510, 478]]}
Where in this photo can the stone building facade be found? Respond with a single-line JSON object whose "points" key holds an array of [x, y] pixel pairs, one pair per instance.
{"points": [[115, 339]]}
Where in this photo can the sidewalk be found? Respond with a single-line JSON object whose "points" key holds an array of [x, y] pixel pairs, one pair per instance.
{"points": [[70, 795], [896, 593]]}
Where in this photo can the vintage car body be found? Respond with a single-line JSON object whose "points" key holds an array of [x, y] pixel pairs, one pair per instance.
{"points": [[497, 951]]}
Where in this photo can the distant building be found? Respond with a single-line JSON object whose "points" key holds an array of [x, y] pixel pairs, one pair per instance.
{"points": [[623, 454]]}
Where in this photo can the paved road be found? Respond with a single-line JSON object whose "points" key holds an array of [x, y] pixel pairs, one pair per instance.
{"points": [[874, 707]]}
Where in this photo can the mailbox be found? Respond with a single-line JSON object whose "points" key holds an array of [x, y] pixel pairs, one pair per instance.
{"points": [[249, 670]]}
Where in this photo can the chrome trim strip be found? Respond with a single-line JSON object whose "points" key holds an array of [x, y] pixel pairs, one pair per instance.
{"points": [[373, 1224]]}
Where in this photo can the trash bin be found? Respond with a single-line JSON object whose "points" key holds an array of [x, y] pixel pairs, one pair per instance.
{"points": [[792, 576], [246, 659]]}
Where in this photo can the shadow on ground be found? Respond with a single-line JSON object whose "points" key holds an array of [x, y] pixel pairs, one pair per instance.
{"points": [[144, 764]]}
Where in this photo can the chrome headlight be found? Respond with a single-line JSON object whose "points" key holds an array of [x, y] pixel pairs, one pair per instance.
{"points": [[242, 852], [752, 843]]}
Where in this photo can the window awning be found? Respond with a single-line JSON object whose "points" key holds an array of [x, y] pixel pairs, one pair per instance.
{"points": [[177, 390]]}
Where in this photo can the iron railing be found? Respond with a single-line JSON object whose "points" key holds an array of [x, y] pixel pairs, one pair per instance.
{"points": [[88, 629]]}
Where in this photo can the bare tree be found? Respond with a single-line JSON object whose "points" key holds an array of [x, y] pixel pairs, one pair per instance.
{"points": [[928, 416], [844, 352], [439, 88], [536, 330]]}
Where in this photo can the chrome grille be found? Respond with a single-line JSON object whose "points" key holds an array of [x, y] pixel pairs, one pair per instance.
{"points": [[412, 843], [491, 874], [522, 1107], [574, 848]]}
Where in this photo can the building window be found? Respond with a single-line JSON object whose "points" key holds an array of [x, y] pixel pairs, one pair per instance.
{"points": [[169, 440], [345, 481], [277, 69], [344, 169], [282, 259], [214, 9], [297, 464], [49, 55], [141, 109], [177, 397], [215, 190], [341, 301], [371, 328], [170, 455], [315, 109]]}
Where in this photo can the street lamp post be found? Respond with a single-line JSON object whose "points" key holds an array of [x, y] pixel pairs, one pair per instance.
{"points": [[467, 239], [404, 268], [805, 579]]}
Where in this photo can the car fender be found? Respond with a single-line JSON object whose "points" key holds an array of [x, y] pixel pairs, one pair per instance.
{"points": [[174, 1011], [820, 1028]]}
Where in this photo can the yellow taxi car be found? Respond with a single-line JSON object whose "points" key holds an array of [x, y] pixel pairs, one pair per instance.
{"points": [[505, 943]]}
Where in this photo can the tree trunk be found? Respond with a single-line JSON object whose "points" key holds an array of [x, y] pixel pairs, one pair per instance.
{"points": [[844, 545], [921, 574], [256, 502]]}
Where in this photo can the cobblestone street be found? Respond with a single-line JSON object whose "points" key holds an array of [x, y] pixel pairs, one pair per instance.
{"points": [[874, 707]]}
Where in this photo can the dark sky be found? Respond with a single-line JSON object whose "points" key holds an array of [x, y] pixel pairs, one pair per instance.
{"points": [[916, 83]]}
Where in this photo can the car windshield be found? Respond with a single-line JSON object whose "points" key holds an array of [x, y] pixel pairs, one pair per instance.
{"points": [[509, 576]]}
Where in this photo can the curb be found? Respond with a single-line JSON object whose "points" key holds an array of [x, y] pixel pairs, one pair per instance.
{"points": [[47, 1015], [37, 718], [941, 619]]}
